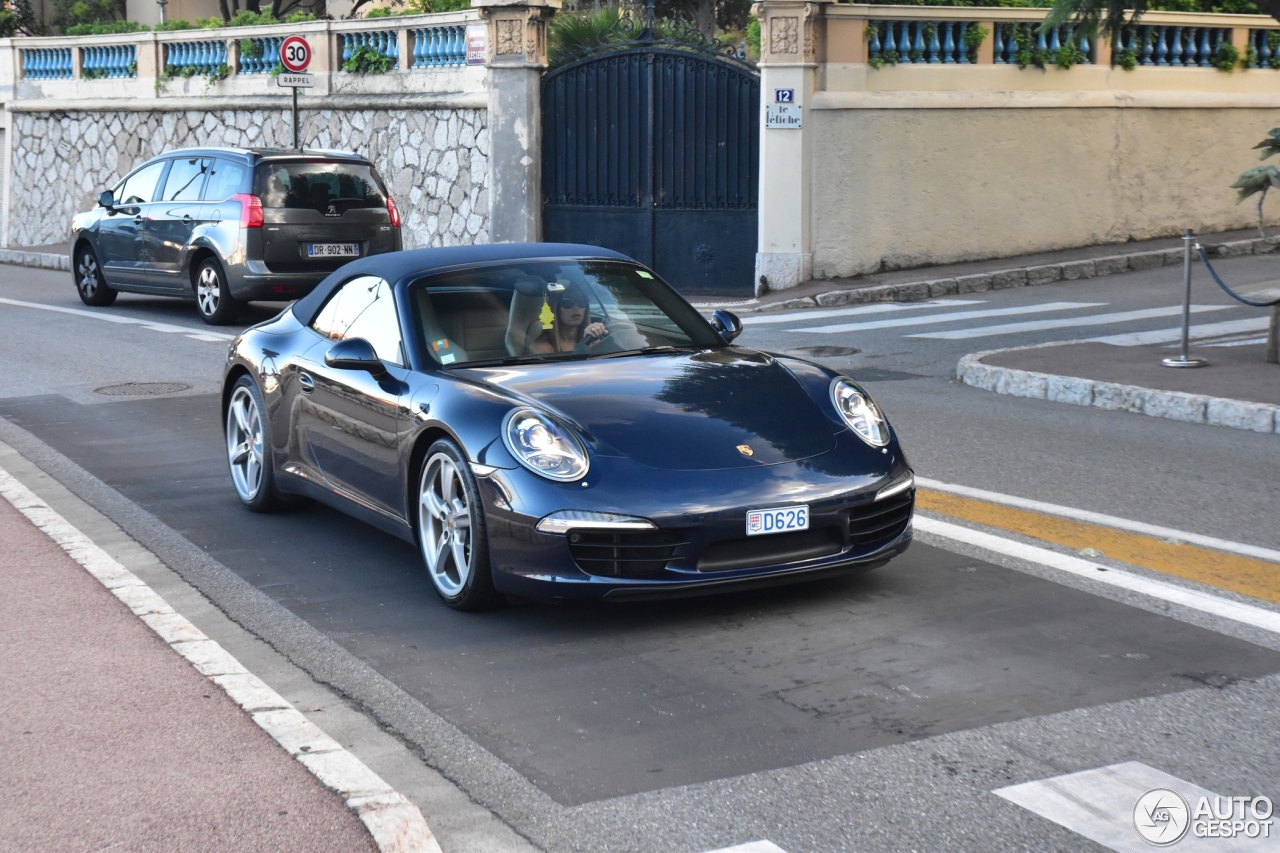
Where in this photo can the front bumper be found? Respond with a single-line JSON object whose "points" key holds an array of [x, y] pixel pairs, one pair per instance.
{"points": [[703, 515]]}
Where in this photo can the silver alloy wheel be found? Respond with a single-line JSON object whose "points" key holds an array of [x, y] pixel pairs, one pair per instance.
{"points": [[208, 291], [87, 269], [244, 443], [444, 525]]}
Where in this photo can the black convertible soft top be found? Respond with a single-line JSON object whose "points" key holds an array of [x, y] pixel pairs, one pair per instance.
{"points": [[397, 266]]}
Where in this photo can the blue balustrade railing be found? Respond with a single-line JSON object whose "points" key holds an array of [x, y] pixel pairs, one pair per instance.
{"points": [[199, 57], [439, 46], [1179, 47], [1264, 49], [383, 41], [113, 60], [1025, 44], [920, 42], [47, 63], [260, 55]]}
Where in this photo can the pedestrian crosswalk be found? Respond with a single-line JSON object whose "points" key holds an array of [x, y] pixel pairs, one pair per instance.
{"points": [[947, 318], [964, 319], [1069, 322]]}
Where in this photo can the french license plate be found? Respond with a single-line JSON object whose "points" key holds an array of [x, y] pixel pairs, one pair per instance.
{"points": [[333, 250], [781, 519]]}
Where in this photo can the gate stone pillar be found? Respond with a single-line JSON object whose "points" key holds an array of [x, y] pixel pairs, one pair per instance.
{"points": [[789, 47], [517, 57]]}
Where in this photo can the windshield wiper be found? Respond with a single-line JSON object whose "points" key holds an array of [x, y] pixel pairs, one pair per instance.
{"points": [[519, 359]]}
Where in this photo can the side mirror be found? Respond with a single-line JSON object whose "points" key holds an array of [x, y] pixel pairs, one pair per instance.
{"points": [[727, 324], [107, 199], [355, 354]]}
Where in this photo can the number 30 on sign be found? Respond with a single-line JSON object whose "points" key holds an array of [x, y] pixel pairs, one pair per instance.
{"points": [[295, 54]]}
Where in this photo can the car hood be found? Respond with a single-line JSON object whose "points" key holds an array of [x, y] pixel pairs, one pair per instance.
{"points": [[682, 411]]}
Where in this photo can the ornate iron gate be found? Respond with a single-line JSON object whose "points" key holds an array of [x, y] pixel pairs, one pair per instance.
{"points": [[653, 150]]}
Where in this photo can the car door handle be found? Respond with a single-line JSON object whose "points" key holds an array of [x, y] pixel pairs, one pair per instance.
{"points": [[306, 383], [186, 217], [137, 220]]}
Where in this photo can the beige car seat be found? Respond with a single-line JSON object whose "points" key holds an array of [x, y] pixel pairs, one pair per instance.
{"points": [[523, 325]]}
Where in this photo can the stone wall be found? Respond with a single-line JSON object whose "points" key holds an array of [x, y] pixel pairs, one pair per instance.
{"points": [[435, 161]]}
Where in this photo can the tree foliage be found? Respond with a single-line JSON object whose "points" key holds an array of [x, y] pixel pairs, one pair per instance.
{"points": [[1109, 17], [1260, 179]]}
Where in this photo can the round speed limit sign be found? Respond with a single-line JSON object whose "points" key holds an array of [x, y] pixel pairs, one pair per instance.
{"points": [[295, 54]]}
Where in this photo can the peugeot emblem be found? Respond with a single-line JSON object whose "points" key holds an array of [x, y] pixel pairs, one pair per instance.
{"points": [[745, 450], [332, 211]]}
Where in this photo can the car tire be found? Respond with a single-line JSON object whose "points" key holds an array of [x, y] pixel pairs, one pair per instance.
{"points": [[451, 529], [214, 301], [248, 439], [90, 283]]}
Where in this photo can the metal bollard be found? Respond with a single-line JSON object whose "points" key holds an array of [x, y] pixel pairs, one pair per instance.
{"points": [[1183, 360]]}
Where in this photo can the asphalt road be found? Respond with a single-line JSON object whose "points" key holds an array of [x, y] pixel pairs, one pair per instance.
{"points": [[685, 725]]}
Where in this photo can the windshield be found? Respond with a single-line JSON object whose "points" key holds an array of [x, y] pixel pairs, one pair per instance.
{"points": [[551, 310], [329, 187]]}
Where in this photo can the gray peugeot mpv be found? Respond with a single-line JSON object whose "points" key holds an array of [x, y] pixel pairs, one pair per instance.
{"points": [[227, 226]]}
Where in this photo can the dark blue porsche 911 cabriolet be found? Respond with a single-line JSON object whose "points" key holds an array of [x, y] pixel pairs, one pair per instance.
{"points": [[553, 421]]}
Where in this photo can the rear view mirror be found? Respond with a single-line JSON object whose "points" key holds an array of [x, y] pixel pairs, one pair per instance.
{"points": [[727, 324], [107, 199], [355, 354]]}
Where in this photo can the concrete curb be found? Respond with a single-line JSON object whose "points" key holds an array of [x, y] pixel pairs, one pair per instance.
{"points": [[1112, 396], [39, 260], [932, 288], [396, 825]]}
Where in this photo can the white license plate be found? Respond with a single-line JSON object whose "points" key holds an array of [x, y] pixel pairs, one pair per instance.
{"points": [[333, 250], [777, 520]]}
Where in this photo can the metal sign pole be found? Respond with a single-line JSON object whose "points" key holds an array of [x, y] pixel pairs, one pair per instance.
{"points": [[295, 120], [1183, 360]]}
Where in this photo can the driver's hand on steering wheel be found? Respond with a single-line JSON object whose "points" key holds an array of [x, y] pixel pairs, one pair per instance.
{"points": [[594, 332]]}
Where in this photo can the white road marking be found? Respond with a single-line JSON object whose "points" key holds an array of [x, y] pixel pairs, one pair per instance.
{"points": [[1099, 805], [949, 318], [876, 308], [1068, 322], [1245, 614], [1204, 330], [396, 824], [752, 847], [167, 328], [1085, 515], [1246, 342]]}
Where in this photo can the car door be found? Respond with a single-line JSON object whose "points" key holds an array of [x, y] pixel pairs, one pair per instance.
{"points": [[349, 423], [175, 214], [120, 232]]}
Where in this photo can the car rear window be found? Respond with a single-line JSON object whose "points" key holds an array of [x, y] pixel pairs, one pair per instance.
{"points": [[326, 186]]}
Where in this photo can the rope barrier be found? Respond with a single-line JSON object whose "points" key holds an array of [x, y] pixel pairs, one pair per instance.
{"points": [[1204, 259]]}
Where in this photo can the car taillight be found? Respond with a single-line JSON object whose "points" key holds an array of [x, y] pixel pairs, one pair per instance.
{"points": [[394, 211], [250, 210]]}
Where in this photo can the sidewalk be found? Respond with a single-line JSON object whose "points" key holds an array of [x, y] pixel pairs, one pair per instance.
{"points": [[112, 740], [1237, 389]]}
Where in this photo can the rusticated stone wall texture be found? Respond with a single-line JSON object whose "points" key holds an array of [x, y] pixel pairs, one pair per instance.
{"points": [[435, 161]]}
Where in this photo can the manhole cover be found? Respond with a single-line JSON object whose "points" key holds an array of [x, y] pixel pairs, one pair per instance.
{"points": [[826, 351], [877, 374], [142, 389]]}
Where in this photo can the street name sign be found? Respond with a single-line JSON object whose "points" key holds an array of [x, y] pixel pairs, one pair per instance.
{"points": [[785, 116], [295, 54], [295, 81], [477, 44]]}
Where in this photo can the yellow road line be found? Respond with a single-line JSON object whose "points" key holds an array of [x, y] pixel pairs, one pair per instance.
{"points": [[1226, 571]]}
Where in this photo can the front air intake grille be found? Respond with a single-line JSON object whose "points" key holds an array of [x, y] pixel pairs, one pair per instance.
{"points": [[880, 522], [774, 550], [624, 553]]}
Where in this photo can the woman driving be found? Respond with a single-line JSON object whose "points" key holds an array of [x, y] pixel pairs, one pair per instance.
{"points": [[571, 326]]}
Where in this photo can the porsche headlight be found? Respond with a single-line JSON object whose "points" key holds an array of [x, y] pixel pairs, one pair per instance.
{"points": [[860, 413], [544, 446]]}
